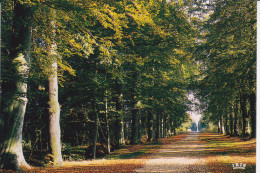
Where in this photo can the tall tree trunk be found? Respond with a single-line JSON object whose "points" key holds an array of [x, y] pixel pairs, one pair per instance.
{"points": [[235, 119], [164, 126], [252, 99], [157, 126], [134, 128], [231, 123], [108, 131], [244, 126], [134, 111], [227, 125], [221, 124], [174, 127], [14, 102], [122, 133], [149, 125], [168, 127], [120, 139], [95, 113], [243, 100], [160, 126], [140, 127], [95, 135], [219, 127], [54, 107], [54, 116]]}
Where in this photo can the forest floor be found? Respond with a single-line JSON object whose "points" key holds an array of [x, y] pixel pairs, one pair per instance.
{"points": [[192, 152]]}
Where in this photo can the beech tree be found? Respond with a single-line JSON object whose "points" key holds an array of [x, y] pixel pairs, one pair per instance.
{"points": [[54, 109], [14, 101]]}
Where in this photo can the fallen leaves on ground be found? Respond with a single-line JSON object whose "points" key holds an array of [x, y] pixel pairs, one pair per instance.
{"points": [[223, 151]]}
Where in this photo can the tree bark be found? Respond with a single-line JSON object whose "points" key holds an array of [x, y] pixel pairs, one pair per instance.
{"points": [[54, 116], [14, 106]]}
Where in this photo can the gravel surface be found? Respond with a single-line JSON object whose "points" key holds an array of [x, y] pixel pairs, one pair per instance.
{"points": [[185, 155]]}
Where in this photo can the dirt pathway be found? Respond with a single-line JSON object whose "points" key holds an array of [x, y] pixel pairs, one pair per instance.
{"points": [[185, 155]]}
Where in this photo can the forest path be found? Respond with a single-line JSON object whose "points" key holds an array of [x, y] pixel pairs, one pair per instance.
{"points": [[192, 152], [186, 155]]}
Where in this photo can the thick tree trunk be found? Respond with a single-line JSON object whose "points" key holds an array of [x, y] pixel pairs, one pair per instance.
{"points": [[14, 106], [252, 99]]}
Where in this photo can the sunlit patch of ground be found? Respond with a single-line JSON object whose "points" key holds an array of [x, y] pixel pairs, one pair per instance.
{"points": [[223, 151], [183, 156]]}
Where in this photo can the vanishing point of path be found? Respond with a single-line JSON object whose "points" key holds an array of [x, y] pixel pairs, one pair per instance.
{"points": [[186, 155]]}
